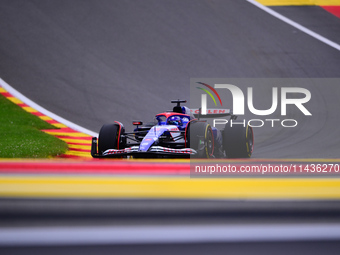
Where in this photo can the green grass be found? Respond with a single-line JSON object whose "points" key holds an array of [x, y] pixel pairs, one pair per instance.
{"points": [[20, 135]]}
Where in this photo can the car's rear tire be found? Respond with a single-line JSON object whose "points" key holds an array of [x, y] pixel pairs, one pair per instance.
{"points": [[200, 138], [238, 141], [110, 137]]}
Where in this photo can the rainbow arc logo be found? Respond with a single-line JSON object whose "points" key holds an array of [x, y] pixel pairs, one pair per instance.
{"points": [[209, 93]]}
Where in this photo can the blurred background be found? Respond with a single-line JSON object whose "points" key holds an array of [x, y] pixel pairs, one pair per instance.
{"points": [[93, 62]]}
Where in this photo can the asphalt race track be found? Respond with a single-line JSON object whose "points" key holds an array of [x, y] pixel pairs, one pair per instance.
{"points": [[95, 62], [92, 62]]}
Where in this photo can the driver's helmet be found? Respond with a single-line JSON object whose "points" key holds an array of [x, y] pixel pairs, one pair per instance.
{"points": [[175, 120]]}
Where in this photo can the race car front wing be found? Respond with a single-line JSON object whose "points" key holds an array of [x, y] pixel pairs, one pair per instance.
{"points": [[154, 151]]}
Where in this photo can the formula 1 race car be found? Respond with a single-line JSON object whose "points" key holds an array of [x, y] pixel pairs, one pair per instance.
{"points": [[175, 134]]}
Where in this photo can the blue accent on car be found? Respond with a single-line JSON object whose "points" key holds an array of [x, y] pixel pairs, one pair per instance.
{"points": [[152, 136]]}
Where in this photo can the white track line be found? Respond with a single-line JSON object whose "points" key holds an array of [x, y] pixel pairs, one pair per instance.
{"points": [[296, 25], [37, 107], [167, 234]]}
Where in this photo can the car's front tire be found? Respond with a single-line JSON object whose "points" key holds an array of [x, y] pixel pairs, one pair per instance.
{"points": [[200, 138], [110, 137]]}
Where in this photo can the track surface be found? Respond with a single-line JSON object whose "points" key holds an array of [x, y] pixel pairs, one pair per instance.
{"points": [[277, 248], [93, 62]]}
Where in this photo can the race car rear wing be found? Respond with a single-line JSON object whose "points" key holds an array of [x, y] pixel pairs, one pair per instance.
{"points": [[213, 113]]}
